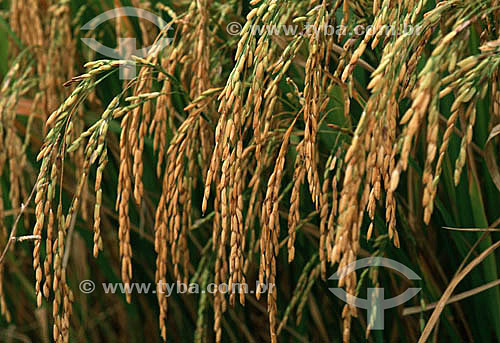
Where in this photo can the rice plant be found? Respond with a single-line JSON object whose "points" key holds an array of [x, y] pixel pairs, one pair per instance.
{"points": [[268, 145]]}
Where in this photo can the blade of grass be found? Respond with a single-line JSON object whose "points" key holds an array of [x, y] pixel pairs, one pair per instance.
{"points": [[451, 287]]}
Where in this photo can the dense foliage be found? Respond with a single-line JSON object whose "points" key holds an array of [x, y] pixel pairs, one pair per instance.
{"points": [[276, 154]]}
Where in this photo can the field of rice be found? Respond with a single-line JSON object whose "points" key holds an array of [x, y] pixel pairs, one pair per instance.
{"points": [[221, 170]]}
